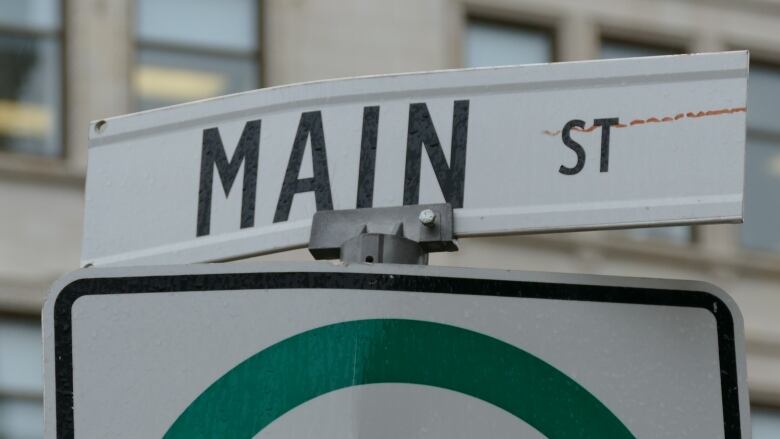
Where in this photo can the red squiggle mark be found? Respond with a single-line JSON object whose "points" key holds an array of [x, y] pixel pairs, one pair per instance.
{"points": [[676, 117]]}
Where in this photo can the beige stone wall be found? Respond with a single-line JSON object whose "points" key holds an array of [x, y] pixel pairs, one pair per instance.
{"points": [[43, 199], [40, 224]]}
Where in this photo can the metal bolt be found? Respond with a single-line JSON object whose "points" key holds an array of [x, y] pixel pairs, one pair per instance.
{"points": [[427, 217]]}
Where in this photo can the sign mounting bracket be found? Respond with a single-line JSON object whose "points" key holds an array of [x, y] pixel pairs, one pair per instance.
{"points": [[400, 235]]}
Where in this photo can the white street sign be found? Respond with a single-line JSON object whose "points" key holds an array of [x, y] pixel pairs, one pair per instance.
{"points": [[321, 350], [568, 146]]}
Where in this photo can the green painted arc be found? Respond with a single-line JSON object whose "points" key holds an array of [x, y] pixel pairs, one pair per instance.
{"points": [[275, 380]]}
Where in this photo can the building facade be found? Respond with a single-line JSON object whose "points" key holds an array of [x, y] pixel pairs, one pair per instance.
{"points": [[64, 63]]}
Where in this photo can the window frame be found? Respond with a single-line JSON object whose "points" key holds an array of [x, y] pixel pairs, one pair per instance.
{"points": [[257, 55], [651, 39], [31, 162], [501, 19], [771, 62]]}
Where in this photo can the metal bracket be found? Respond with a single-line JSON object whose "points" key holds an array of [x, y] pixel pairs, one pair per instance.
{"points": [[401, 235]]}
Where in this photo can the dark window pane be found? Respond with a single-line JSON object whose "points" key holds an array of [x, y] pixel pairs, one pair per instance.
{"points": [[766, 423], [20, 356], [209, 50], [21, 381], [493, 44], [763, 98], [224, 24], [42, 15], [29, 94], [21, 418], [761, 229], [762, 168], [167, 77], [621, 49]]}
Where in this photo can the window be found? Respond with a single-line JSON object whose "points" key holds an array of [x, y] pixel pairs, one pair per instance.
{"points": [[762, 168], [620, 49], [209, 49], [494, 44], [766, 423], [30, 77], [21, 389]]}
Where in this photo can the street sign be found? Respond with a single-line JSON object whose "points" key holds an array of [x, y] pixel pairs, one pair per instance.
{"points": [[324, 350], [537, 148]]}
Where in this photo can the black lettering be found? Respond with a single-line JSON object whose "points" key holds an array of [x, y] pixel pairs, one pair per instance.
{"points": [[574, 146], [605, 124], [366, 170], [213, 154], [310, 126], [422, 132]]}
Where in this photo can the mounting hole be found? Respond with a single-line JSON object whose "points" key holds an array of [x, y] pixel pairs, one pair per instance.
{"points": [[369, 259], [100, 126]]}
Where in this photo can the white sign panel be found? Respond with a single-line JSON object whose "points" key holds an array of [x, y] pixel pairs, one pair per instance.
{"points": [[522, 149], [317, 350]]}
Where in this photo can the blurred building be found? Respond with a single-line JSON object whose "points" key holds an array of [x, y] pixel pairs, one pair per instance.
{"points": [[66, 62]]}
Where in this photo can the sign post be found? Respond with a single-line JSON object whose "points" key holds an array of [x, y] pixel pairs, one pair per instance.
{"points": [[387, 169], [302, 350]]}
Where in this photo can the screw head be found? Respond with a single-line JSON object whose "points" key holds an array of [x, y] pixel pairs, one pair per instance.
{"points": [[427, 217]]}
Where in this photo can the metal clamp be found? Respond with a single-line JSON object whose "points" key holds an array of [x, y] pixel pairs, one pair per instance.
{"points": [[401, 235]]}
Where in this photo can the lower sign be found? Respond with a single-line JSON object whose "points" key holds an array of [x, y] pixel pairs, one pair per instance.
{"points": [[317, 350]]}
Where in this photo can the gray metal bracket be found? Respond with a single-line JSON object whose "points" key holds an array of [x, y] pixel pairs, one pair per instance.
{"points": [[401, 235]]}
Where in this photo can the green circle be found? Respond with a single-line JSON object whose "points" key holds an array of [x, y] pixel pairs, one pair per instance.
{"points": [[275, 380]]}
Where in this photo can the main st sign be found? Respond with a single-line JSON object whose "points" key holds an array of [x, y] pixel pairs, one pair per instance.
{"points": [[566, 146]]}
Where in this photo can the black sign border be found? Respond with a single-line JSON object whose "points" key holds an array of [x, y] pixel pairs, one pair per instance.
{"points": [[63, 362]]}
